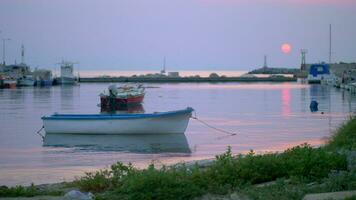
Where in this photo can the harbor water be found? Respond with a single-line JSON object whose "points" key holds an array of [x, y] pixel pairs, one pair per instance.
{"points": [[266, 117]]}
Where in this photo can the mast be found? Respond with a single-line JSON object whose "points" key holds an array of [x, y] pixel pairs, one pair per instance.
{"points": [[22, 54], [164, 64], [3, 49]]}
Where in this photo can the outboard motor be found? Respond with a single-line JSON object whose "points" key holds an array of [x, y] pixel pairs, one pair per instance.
{"points": [[112, 90], [313, 106], [112, 97]]}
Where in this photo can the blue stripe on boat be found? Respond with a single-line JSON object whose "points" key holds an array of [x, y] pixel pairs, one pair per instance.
{"points": [[114, 116]]}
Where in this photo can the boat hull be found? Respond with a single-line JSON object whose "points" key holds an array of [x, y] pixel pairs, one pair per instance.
{"points": [[9, 84], [67, 80], [26, 82], [174, 122], [48, 82], [119, 103]]}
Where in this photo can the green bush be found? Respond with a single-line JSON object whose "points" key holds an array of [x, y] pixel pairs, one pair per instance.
{"points": [[162, 183], [22, 191], [104, 179], [312, 163], [94, 181], [345, 137], [18, 191], [225, 174]]}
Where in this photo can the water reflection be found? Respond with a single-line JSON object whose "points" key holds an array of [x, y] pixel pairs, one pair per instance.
{"points": [[42, 94], [130, 143], [319, 92], [67, 93], [286, 98]]}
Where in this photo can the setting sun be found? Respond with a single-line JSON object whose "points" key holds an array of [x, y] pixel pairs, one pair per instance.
{"points": [[286, 48]]}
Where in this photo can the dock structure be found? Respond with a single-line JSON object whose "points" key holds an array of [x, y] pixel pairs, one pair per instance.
{"points": [[187, 79]]}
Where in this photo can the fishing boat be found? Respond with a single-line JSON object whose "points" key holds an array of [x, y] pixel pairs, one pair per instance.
{"points": [[318, 73], [9, 83], [43, 77], [67, 77], [127, 95], [26, 81], [131, 109], [172, 122]]}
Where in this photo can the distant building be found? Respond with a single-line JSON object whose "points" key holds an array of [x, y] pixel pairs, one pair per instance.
{"points": [[173, 74]]}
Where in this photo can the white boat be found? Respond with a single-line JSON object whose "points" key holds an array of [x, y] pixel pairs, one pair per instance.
{"points": [[318, 73], [172, 122], [26, 81], [67, 77]]}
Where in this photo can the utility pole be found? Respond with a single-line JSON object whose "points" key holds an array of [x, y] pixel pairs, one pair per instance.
{"points": [[163, 71], [3, 49], [330, 44], [265, 62]]}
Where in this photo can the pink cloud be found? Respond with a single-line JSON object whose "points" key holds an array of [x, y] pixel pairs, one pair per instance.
{"points": [[296, 2]]}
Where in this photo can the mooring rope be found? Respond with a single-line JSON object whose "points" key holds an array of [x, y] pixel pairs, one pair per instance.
{"points": [[39, 133], [212, 127]]}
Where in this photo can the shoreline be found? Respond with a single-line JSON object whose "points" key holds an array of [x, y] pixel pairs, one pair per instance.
{"points": [[186, 79], [292, 174]]}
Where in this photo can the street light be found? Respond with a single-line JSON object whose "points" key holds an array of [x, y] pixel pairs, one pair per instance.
{"points": [[3, 49]]}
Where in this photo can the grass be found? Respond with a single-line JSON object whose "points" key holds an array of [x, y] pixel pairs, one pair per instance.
{"points": [[325, 167]]}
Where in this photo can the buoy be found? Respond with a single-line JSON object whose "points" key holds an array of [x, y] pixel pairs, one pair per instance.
{"points": [[313, 106]]}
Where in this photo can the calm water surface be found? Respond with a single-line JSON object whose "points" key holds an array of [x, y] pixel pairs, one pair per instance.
{"points": [[265, 116]]}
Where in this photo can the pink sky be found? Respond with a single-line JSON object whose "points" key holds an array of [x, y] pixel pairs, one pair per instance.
{"points": [[191, 34], [296, 2]]}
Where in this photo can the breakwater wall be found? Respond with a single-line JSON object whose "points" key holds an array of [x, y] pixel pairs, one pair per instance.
{"points": [[186, 79]]}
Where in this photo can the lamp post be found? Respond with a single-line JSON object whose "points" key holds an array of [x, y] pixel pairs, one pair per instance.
{"points": [[3, 49]]}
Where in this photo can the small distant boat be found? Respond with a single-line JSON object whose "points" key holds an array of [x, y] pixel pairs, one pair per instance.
{"points": [[116, 98], [43, 77], [9, 83], [172, 122], [67, 77], [44, 82], [26, 81], [318, 72]]}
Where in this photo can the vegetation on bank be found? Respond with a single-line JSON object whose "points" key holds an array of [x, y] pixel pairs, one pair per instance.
{"points": [[302, 163], [270, 70], [30, 191], [295, 172], [345, 137]]}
